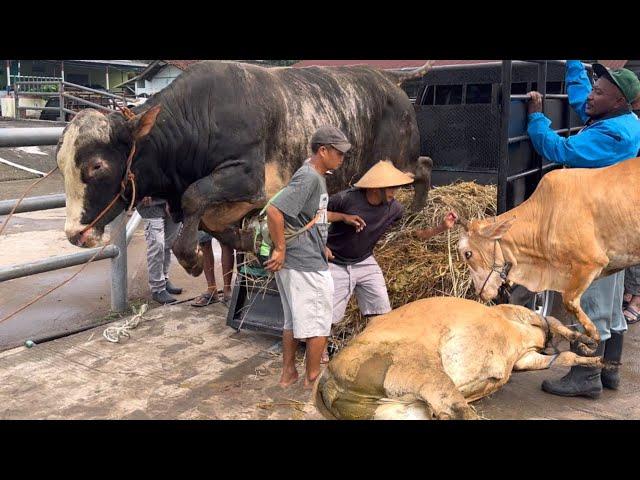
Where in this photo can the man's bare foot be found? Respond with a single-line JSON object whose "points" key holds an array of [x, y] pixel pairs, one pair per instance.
{"points": [[308, 383], [288, 378]]}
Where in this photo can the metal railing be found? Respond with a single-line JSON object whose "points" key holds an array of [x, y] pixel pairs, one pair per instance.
{"points": [[116, 251], [505, 110], [70, 96]]}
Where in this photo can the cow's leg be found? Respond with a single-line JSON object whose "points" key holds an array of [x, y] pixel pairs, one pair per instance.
{"points": [[537, 361], [571, 299], [412, 375], [557, 328]]}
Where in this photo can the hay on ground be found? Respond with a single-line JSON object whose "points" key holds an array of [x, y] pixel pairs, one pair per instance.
{"points": [[415, 269]]}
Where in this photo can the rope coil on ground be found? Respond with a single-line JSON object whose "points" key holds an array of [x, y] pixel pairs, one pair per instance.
{"points": [[114, 333]]}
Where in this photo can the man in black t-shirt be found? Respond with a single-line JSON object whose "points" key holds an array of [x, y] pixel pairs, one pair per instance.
{"points": [[359, 217]]}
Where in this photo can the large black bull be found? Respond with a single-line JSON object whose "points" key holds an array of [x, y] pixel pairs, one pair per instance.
{"points": [[224, 137]]}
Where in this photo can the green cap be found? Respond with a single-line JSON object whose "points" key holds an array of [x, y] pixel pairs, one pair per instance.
{"points": [[626, 81]]}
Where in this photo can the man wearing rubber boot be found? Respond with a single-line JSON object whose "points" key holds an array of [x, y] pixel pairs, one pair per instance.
{"points": [[611, 135]]}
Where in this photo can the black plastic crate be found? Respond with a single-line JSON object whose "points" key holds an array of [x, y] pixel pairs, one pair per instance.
{"points": [[255, 301]]}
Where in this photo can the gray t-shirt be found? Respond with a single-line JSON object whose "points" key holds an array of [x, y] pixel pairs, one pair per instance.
{"points": [[300, 201]]}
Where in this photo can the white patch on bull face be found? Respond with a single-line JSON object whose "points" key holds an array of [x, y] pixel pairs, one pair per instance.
{"points": [[74, 188], [92, 128]]}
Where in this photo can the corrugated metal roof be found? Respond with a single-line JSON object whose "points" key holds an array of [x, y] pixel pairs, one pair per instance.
{"points": [[119, 63], [398, 64], [387, 64], [181, 64]]}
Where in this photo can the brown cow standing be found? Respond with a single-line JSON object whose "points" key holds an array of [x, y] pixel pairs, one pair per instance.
{"points": [[428, 358], [577, 226]]}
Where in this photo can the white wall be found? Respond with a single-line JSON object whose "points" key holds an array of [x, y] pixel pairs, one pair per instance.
{"points": [[164, 77]]}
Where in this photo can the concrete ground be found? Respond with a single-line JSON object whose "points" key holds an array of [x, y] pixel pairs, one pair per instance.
{"points": [[182, 363]]}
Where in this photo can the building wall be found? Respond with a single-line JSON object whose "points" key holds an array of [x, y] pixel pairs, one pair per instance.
{"points": [[160, 80]]}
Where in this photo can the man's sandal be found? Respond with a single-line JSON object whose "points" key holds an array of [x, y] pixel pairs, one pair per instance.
{"points": [[633, 315], [207, 298]]}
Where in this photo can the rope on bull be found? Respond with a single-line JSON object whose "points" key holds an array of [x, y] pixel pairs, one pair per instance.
{"points": [[114, 333]]}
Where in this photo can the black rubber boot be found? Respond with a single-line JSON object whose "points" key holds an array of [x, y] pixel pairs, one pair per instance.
{"points": [[579, 382], [171, 288], [163, 297], [612, 355]]}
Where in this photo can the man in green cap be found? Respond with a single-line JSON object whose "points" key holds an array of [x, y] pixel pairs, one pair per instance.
{"points": [[611, 135]]}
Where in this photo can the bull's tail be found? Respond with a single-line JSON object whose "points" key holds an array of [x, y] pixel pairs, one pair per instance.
{"points": [[316, 395], [401, 77]]}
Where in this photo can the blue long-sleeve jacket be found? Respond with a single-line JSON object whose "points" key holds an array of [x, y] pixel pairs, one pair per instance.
{"points": [[604, 142]]}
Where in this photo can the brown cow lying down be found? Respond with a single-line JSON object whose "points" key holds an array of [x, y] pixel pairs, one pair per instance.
{"points": [[428, 358]]}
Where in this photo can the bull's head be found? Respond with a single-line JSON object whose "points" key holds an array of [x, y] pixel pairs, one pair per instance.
{"points": [[92, 155], [479, 248]]}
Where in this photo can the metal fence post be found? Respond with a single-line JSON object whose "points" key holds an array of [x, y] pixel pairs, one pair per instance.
{"points": [[61, 92], [119, 264], [16, 100]]}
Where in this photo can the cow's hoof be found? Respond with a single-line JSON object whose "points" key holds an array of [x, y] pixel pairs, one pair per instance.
{"points": [[586, 350]]}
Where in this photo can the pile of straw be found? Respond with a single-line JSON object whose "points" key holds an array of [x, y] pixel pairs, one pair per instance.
{"points": [[415, 269]]}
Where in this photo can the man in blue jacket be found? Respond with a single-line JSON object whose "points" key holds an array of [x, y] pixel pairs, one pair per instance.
{"points": [[611, 135]]}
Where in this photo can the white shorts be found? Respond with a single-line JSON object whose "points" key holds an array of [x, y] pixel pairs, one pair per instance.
{"points": [[366, 279], [307, 301]]}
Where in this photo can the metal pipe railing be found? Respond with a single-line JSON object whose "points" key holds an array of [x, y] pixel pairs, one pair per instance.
{"points": [[87, 102], [56, 263], [57, 109], [23, 137], [117, 251], [32, 204], [87, 89]]}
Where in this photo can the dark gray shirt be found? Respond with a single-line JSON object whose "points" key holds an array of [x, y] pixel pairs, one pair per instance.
{"points": [[300, 201], [349, 247]]}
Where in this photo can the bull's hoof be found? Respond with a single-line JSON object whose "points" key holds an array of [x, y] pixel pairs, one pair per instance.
{"points": [[193, 264]]}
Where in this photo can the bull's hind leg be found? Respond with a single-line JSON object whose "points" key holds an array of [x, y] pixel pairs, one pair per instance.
{"points": [[425, 380]]}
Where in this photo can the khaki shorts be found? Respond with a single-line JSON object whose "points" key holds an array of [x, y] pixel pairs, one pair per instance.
{"points": [[366, 279], [307, 301]]}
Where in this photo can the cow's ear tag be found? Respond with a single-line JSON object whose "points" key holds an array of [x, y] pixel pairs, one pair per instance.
{"points": [[145, 122]]}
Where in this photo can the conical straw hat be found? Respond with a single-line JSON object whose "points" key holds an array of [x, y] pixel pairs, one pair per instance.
{"points": [[382, 175]]}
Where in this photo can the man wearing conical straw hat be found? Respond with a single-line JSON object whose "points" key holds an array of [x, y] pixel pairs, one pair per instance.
{"points": [[350, 245]]}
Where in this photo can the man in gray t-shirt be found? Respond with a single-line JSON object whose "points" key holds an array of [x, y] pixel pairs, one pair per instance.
{"points": [[299, 214]]}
